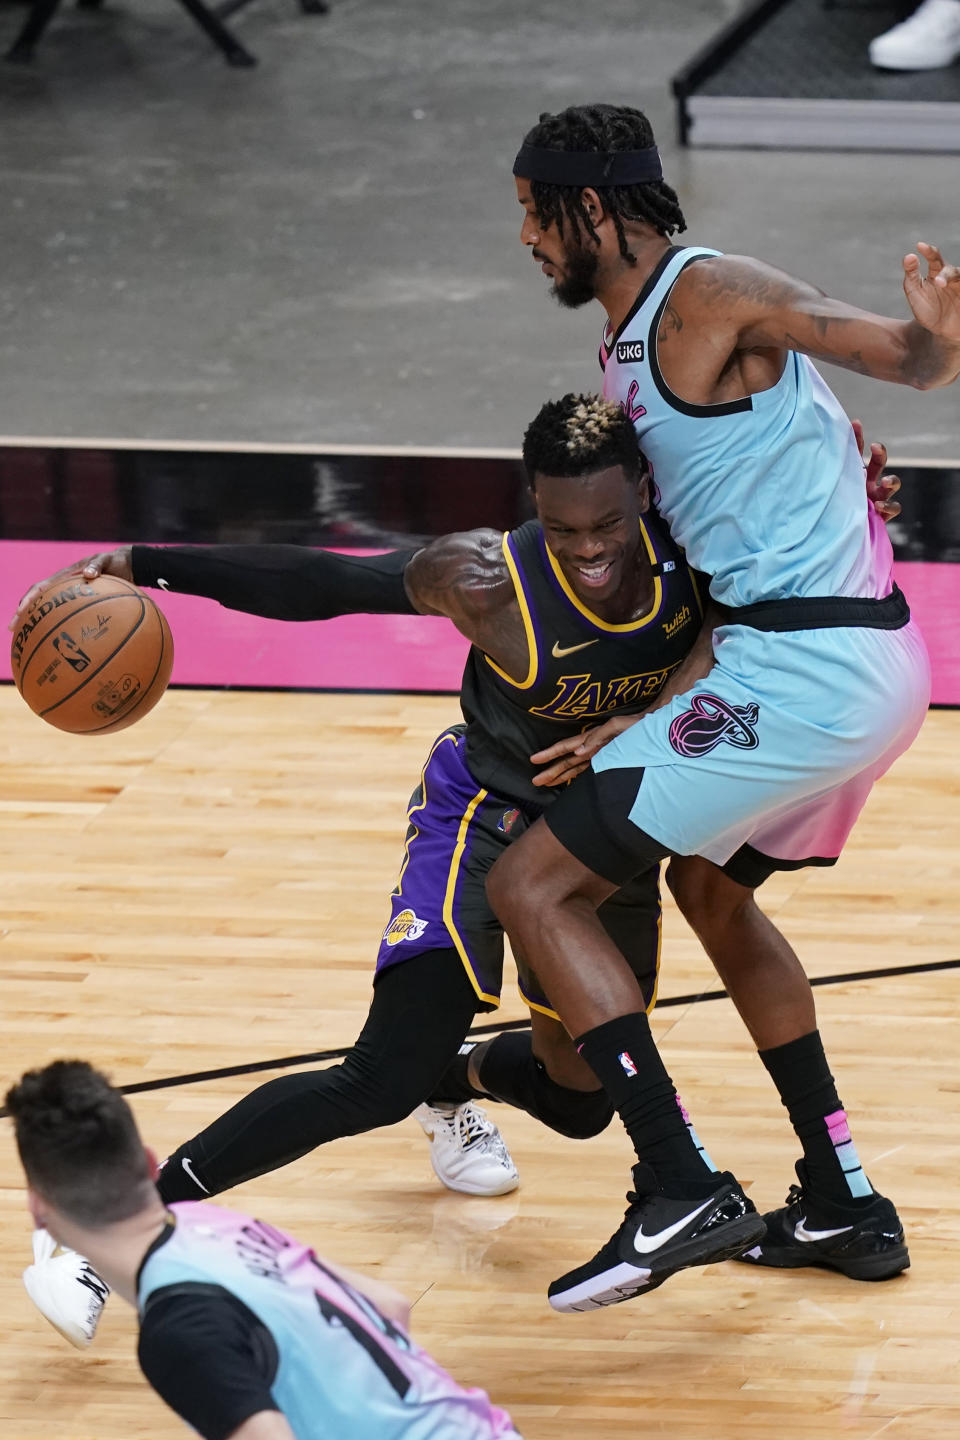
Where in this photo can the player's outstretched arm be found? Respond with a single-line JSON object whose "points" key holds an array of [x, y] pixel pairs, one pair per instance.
{"points": [[760, 308], [281, 582]]}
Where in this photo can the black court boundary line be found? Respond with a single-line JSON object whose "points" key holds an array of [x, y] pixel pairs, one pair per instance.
{"points": [[169, 1082]]}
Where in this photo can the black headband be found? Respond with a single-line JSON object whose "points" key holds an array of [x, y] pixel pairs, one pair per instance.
{"points": [[588, 167]]}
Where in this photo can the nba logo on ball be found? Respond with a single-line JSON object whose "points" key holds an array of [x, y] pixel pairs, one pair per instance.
{"points": [[629, 1069]]}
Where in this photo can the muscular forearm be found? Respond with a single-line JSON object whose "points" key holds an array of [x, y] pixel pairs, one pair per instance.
{"points": [[929, 361], [282, 582]]}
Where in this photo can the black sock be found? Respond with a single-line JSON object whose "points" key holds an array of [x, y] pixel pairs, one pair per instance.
{"points": [[627, 1063], [802, 1076]]}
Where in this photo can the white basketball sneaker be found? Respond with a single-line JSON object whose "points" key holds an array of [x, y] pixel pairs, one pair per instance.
{"points": [[65, 1289], [929, 39], [467, 1150]]}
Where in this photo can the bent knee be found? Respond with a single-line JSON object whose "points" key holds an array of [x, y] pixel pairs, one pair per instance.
{"points": [[705, 896], [579, 1114], [517, 886]]}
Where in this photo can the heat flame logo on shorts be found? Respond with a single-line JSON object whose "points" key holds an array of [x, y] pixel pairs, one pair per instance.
{"points": [[710, 722], [405, 926]]}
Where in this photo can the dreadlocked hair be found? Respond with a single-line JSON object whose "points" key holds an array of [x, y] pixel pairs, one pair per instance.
{"points": [[580, 435], [603, 128]]}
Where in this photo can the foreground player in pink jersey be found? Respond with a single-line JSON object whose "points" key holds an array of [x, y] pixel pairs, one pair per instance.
{"points": [[244, 1332]]}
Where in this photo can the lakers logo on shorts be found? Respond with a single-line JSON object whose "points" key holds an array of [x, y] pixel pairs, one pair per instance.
{"points": [[710, 722], [405, 926]]}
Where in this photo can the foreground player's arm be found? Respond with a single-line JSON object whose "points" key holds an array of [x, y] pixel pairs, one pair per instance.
{"points": [[750, 306], [209, 1357], [389, 1302], [268, 1425]]}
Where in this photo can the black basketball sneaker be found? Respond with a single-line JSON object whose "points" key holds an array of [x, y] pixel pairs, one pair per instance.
{"points": [[864, 1241], [661, 1234]]}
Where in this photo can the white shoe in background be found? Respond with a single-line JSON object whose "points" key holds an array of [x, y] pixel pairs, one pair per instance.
{"points": [[65, 1289], [929, 39], [467, 1151]]}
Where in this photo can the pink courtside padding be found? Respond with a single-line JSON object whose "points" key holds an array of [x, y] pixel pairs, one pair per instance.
{"points": [[389, 652]]}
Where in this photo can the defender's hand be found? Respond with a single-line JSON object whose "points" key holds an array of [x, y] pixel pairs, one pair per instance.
{"points": [[934, 298], [108, 562], [880, 488]]}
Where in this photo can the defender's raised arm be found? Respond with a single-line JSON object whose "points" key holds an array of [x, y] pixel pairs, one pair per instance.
{"points": [[754, 306]]}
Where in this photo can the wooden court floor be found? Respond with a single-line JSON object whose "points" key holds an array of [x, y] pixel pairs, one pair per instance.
{"points": [[207, 889]]}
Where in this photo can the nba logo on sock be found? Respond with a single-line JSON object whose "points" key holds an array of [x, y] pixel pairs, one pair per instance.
{"points": [[629, 1068]]}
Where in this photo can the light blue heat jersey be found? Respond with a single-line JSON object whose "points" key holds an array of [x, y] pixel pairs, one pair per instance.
{"points": [[765, 494], [343, 1369]]}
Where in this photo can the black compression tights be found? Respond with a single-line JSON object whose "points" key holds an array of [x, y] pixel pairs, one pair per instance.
{"points": [[420, 1012]]}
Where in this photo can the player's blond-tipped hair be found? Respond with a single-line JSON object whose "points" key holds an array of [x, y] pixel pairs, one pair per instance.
{"points": [[590, 423], [580, 435]]}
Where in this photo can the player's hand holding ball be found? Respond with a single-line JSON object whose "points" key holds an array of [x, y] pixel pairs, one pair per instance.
{"points": [[90, 652]]}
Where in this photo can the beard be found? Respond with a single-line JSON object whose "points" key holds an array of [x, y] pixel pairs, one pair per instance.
{"points": [[579, 284]]}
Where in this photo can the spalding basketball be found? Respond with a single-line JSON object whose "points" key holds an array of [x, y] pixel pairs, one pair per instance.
{"points": [[91, 655]]}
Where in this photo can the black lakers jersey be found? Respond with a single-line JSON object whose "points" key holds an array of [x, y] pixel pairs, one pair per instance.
{"points": [[580, 669]]}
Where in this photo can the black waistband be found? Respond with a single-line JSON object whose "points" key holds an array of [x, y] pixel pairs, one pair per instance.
{"points": [[824, 612]]}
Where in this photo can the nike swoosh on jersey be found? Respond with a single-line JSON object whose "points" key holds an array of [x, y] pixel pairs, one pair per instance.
{"points": [[644, 1244], [800, 1232], [559, 650]]}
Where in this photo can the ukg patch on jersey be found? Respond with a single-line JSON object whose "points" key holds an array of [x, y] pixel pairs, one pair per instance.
{"points": [[405, 926]]}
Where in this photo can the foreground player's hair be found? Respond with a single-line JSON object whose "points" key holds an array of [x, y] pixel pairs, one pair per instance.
{"points": [[580, 435], [79, 1143], [603, 128]]}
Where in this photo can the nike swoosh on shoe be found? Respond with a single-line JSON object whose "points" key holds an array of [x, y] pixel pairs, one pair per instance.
{"points": [[644, 1244], [801, 1233]]}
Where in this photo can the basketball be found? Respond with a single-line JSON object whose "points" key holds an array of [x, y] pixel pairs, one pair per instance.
{"points": [[91, 656]]}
